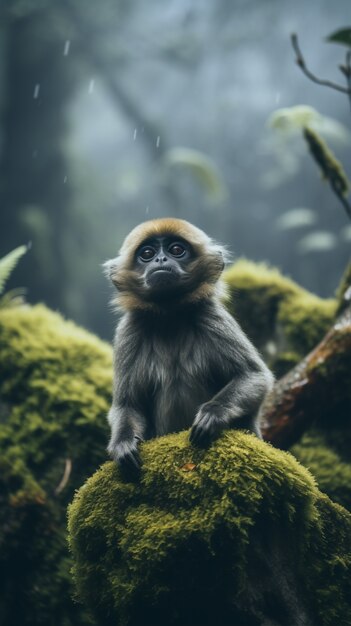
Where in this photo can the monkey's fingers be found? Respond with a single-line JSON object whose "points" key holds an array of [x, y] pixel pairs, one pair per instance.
{"points": [[199, 436], [131, 460], [205, 430], [130, 466], [194, 436], [128, 459]]}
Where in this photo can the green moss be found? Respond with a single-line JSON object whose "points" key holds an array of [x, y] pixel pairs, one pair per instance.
{"points": [[305, 319], [55, 385], [331, 169], [343, 293], [327, 456], [277, 314], [205, 537]]}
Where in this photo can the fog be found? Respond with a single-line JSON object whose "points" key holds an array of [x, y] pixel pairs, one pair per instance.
{"points": [[115, 113]]}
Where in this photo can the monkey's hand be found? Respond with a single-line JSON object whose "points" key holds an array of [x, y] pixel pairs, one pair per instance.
{"points": [[208, 424], [126, 454]]}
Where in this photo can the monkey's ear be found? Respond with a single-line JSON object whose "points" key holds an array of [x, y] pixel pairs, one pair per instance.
{"points": [[110, 269], [220, 256], [223, 254]]}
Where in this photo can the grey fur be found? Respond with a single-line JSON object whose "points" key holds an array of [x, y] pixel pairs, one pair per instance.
{"points": [[180, 366]]}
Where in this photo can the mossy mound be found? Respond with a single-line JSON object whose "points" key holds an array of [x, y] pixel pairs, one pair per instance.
{"points": [[236, 534], [221, 525], [328, 456], [55, 385], [282, 319]]}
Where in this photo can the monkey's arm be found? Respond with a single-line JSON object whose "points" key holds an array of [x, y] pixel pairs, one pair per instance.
{"points": [[127, 429], [237, 404], [128, 424]]}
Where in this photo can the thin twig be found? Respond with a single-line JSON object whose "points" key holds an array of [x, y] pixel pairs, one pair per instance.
{"points": [[64, 480], [301, 63], [348, 72]]}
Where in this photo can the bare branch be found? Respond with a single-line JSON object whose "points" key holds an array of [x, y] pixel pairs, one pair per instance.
{"points": [[348, 72], [301, 63]]}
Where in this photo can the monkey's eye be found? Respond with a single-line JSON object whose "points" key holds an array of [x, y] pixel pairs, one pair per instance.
{"points": [[147, 253], [176, 249]]}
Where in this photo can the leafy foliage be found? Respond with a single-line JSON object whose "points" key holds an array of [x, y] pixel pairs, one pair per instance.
{"points": [[8, 263], [342, 36]]}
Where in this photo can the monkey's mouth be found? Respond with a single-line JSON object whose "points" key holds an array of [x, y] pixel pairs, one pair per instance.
{"points": [[162, 269], [161, 277]]}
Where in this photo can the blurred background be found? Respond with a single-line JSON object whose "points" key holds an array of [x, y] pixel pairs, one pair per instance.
{"points": [[115, 112]]}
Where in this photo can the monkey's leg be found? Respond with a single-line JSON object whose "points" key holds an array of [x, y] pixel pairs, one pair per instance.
{"points": [[235, 406], [127, 430]]}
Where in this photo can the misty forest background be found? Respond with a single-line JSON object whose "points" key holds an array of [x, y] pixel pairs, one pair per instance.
{"points": [[116, 112]]}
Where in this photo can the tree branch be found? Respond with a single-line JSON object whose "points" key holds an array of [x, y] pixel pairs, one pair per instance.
{"points": [[330, 167], [302, 64], [316, 390]]}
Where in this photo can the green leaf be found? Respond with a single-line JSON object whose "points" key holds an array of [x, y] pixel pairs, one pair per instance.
{"points": [[342, 36], [202, 168], [12, 298], [8, 263]]}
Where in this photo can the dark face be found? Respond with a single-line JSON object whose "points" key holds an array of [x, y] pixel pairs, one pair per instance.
{"points": [[162, 262]]}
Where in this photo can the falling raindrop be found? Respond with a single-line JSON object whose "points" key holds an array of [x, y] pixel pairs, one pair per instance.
{"points": [[65, 180], [135, 134], [66, 48], [91, 85], [158, 141], [147, 210], [277, 97], [36, 91]]}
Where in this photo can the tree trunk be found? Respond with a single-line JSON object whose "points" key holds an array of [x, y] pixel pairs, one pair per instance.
{"points": [[34, 192]]}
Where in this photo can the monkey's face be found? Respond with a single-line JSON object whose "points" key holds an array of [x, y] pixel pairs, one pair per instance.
{"points": [[163, 263]]}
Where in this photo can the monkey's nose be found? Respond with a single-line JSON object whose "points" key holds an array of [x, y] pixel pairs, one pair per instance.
{"points": [[161, 259]]}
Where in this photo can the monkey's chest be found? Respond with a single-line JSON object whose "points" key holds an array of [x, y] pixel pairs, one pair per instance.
{"points": [[179, 390]]}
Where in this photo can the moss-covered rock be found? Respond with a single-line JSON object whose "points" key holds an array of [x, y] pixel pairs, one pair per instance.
{"points": [[282, 319], [327, 454], [55, 385], [237, 534]]}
